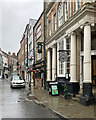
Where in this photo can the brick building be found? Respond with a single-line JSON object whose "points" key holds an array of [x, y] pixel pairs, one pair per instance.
{"points": [[23, 53], [12, 62], [39, 52]]}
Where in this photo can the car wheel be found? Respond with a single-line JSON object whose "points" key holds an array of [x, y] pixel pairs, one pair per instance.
{"points": [[11, 86]]}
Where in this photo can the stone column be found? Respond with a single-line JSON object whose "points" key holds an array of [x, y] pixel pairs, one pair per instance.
{"points": [[78, 56], [65, 64], [48, 65], [73, 58], [73, 85], [53, 62], [87, 96]]}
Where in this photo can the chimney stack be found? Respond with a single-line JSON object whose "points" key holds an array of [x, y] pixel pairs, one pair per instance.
{"points": [[13, 54], [9, 53]]}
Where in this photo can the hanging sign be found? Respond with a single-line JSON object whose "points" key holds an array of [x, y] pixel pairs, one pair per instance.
{"points": [[63, 57]]}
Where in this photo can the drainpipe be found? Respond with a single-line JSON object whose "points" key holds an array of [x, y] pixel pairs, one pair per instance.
{"points": [[34, 59], [44, 52]]}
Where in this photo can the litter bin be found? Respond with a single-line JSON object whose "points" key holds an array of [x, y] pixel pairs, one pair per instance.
{"points": [[53, 88]]}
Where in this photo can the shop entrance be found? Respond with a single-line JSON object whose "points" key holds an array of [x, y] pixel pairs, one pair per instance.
{"points": [[94, 70]]}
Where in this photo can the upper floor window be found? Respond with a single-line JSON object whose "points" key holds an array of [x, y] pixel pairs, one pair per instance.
{"points": [[38, 31], [49, 25], [55, 22], [60, 14], [66, 10], [77, 4]]}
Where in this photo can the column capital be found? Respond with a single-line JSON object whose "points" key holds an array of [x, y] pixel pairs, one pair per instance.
{"points": [[54, 46], [87, 24], [73, 33]]}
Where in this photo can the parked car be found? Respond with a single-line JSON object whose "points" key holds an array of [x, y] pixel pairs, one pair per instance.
{"points": [[16, 81]]}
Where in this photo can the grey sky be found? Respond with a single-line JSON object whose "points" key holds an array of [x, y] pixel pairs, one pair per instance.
{"points": [[14, 15]]}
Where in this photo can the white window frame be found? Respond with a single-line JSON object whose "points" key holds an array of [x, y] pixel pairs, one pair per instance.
{"points": [[77, 4], [60, 70], [49, 27], [66, 10], [60, 14], [55, 22], [38, 31]]}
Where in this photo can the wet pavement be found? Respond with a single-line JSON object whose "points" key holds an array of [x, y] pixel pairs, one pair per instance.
{"points": [[14, 104], [68, 108]]}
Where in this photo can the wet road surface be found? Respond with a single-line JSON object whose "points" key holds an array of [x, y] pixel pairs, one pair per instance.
{"points": [[13, 104]]}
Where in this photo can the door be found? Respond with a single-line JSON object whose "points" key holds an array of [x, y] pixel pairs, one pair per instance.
{"points": [[94, 70]]}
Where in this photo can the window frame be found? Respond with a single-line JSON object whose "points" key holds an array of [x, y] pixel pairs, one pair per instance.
{"points": [[60, 14], [38, 31], [66, 10], [55, 22], [49, 28]]}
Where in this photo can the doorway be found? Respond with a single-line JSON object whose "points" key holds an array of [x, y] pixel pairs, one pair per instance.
{"points": [[94, 70]]}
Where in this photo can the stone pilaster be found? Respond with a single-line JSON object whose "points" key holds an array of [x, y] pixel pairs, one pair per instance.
{"points": [[87, 96], [73, 85], [65, 64], [53, 62], [49, 65]]}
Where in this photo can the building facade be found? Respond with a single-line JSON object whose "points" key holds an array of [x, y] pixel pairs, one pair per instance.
{"points": [[39, 52], [12, 62], [71, 28], [24, 54], [30, 49], [1, 64]]}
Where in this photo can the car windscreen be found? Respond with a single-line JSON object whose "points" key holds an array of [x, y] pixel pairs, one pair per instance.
{"points": [[16, 78]]}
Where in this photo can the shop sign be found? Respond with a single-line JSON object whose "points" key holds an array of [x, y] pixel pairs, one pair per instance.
{"points": [[54, 90]]}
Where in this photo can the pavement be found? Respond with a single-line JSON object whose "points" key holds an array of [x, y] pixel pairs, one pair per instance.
{"points": [[15, 104], [67, 108]]}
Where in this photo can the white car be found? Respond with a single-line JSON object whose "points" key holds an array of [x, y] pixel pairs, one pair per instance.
{"points": [[16, 81]]}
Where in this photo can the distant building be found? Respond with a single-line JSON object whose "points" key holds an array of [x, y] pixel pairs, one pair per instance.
{"points": [[31, 49], [23, 54], [12, 62], [1, 64], [5, 63]]}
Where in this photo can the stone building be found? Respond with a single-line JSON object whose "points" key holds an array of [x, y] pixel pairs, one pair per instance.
{"points": [[71, 27], [39, 52]]}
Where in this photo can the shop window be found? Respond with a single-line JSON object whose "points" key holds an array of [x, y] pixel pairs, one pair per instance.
{"points": [[61, 64], [93, 42], [38, 75], [60, 14]]}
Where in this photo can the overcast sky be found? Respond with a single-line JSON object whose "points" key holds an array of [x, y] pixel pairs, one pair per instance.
{"points": [[14, 15]]}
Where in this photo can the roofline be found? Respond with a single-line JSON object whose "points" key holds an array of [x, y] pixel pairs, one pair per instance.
{"points": [[38, 19]]}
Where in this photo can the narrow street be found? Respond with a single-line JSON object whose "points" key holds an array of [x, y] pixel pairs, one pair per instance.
{"points": [[15, 105]]}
